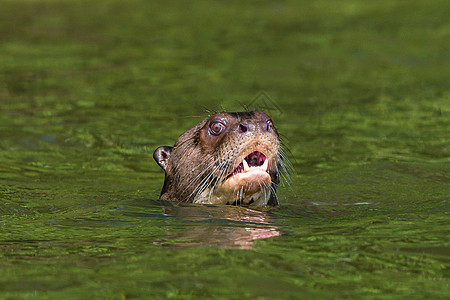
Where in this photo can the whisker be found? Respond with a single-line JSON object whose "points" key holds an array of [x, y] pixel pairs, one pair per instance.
{"points": [[203, 185], [222, 167]]}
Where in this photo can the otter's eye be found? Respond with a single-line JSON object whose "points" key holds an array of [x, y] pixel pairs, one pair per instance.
{"points": [[216, 128], [269, 125]]}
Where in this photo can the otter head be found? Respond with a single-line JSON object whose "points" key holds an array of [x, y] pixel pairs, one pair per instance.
{"points": [[228, 158]]}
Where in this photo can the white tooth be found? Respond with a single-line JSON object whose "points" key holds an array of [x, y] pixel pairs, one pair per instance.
{"points": [[246, 167], [265, 165]]}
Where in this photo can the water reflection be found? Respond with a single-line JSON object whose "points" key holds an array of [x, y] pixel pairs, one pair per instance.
{"points": [[217, 226]]}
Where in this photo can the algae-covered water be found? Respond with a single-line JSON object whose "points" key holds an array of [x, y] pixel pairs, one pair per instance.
{"points": [[359, 91]]}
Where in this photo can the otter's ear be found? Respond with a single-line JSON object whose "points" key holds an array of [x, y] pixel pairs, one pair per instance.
{"points": [[161, 155]]}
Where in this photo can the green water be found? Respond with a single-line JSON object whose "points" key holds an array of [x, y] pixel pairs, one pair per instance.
{"points": [[358, 89]]}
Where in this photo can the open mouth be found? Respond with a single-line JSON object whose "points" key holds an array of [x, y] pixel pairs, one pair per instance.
{"points": [[248, 182], [254, 160], [250, 176]]}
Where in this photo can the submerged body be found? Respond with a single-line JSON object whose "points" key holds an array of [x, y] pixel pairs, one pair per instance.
{"points": [[228, 158]]}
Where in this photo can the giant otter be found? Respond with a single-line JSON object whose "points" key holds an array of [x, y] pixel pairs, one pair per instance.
{"points": [[228, 158]]}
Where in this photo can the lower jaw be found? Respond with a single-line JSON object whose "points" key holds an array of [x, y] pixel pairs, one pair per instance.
{"points": [[259, 198], [226, 196], [247, 188]]}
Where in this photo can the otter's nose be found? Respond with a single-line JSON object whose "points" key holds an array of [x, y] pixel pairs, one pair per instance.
{"points": [[243, 127], [248, 127]]}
